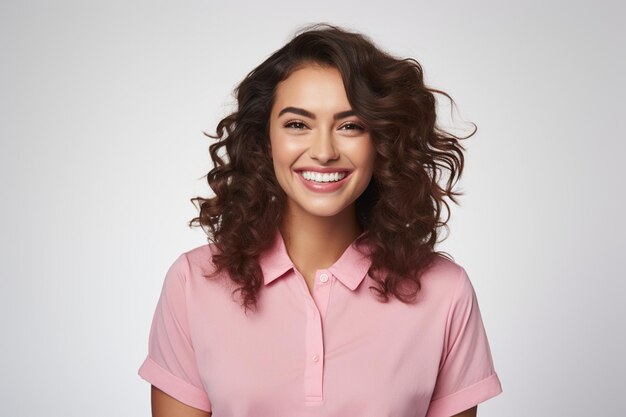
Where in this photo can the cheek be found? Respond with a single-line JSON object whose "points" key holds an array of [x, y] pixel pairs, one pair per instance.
{"points": [[370, 150], [279, 154], [276, 147], [284, 149], [364, 155], [372, 159], [282, 156]]}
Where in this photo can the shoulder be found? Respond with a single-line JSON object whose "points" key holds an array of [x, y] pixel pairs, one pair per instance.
{"points": [[198, 265], [201, 256], [444, 272], [196, 261], [446, 279]]}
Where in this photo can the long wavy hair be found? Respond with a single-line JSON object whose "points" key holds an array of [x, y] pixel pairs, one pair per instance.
{"points": [[401, 210]]}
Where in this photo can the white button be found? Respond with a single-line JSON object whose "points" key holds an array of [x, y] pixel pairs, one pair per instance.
{"points": [[315, 358], [324, 277]]}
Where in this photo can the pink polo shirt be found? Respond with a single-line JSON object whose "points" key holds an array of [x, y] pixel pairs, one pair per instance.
{"points": [[338, 352]]}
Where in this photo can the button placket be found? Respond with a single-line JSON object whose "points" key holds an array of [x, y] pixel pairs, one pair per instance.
{"points": [[323, 284], [314, 364]]}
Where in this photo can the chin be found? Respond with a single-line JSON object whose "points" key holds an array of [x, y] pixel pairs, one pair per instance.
{"points": [[321, 210]]}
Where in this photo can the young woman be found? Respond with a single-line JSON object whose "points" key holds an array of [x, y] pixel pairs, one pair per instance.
{"points": [[320, 292]]}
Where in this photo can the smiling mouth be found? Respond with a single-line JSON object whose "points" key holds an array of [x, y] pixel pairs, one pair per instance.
{"points": [[323, 178], [324, 183], [320, 173]]}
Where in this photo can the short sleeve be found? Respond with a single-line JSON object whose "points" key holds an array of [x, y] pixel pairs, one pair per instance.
{"points": [[466, 373], [170, 364]]}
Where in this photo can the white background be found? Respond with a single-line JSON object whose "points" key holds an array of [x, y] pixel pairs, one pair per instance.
{"points": [[102, 111]]}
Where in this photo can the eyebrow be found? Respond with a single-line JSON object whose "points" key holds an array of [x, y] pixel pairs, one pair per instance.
{"points": [[310, 115]]}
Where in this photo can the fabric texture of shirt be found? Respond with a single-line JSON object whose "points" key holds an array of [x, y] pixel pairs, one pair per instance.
{"points": [[336, 351]]}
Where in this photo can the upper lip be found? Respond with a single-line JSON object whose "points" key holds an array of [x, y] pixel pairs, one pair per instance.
{"points": [[323, 169]]}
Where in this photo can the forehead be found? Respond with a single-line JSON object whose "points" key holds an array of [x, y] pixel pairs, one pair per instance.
{"points": [[313, 87]]}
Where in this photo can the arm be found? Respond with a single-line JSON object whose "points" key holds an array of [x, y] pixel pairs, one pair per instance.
{"points": [[170, 365], [466, 374], [164, 405], [470, 412]]}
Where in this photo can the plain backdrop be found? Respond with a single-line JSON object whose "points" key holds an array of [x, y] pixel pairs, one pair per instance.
{"points": [[103, 105]]}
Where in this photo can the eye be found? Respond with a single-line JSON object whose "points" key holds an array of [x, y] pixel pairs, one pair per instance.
{"points": [[295, 124], [353, 126]]}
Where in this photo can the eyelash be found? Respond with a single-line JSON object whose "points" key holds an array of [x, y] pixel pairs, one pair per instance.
{"points": [[297, 122]]}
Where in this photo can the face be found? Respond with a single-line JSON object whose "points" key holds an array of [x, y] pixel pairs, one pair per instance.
{"points": [[315, 140]]}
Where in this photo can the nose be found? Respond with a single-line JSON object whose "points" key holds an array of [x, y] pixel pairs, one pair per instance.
{"points": [[323, 146]]}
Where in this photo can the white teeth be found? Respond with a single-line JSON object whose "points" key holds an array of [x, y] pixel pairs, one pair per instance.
{"points": [[329, 177]]}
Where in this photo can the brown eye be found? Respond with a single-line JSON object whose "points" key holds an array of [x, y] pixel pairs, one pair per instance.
{"points": [[353, 126], [295, 125]]}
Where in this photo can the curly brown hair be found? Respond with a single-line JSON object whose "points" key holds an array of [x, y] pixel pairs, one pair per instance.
{"points": [[401, 208]]}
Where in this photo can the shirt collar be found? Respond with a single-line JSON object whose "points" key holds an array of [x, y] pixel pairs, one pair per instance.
{"points": [[350, 268]]}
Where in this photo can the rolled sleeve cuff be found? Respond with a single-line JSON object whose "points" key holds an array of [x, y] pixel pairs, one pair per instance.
{"points": [[466, 398], [174, 385]]}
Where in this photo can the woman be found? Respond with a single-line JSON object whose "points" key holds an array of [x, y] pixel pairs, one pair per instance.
{"points": [[324, 222]]}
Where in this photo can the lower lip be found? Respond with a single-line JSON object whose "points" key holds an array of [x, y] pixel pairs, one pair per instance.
{"points": [[323, 187]]}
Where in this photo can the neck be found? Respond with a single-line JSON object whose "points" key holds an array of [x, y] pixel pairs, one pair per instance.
{"points": [[317, 242]]}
